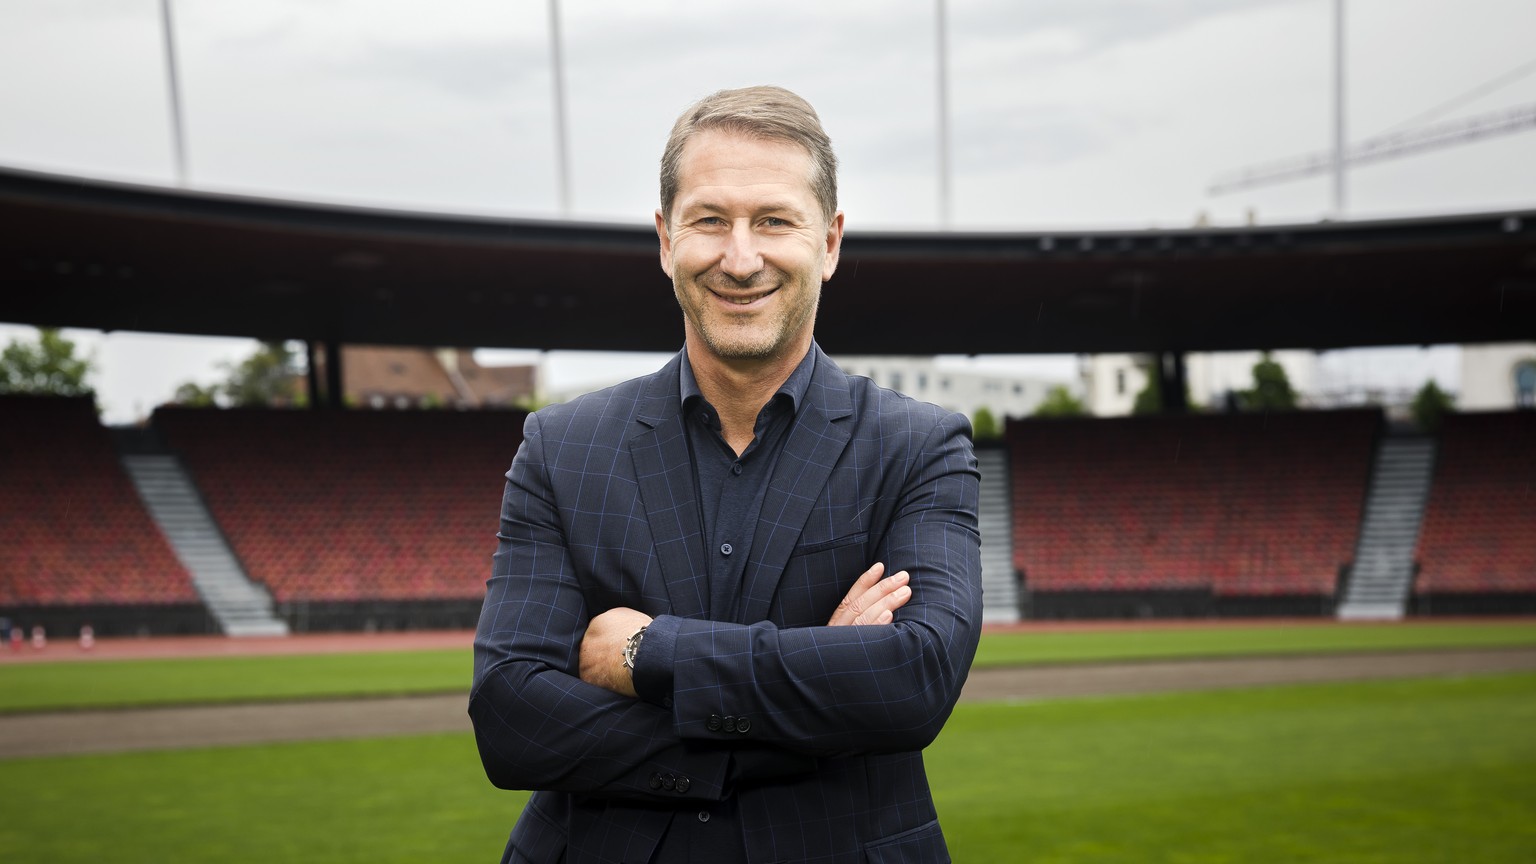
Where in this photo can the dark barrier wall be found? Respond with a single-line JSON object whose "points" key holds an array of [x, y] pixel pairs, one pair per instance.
{"points": [[64, 622]]}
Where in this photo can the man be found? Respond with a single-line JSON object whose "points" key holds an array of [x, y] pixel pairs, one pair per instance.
{"points": [[733, 600]]}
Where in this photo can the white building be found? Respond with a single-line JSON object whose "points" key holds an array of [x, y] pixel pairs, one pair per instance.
{"points": [[1497, 377], [948, 383]]}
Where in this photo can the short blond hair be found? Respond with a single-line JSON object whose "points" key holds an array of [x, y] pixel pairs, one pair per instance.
{"points": [[761, 112]]}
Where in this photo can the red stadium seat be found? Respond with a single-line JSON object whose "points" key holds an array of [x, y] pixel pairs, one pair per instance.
{"points": [[1238, 505], [353, 505], [1479, 534], [73, 530]]}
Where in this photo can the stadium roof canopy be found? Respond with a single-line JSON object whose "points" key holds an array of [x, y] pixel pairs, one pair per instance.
{"points": [[84, 253]]}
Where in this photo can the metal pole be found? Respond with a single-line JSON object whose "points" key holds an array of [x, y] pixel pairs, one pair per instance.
{"points": [[943, 110], [173, 88], [1338, 109], [557, 66]]}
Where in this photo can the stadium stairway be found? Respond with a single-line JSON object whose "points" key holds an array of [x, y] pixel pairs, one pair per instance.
{"points": [[1382, 574], [241, 607], [1000, 590]]}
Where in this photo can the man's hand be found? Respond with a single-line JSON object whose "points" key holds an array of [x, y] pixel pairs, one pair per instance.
{"points": [[871, 600], [602, 649]]}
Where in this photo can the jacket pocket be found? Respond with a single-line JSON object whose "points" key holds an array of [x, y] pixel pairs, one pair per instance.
{"points": [[816, 578], [846, 540], [536, 839], [921, 845]]}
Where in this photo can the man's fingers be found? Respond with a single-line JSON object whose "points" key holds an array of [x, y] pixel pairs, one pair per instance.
{"points": [[872, 600], [884, 599], [848, 608]]}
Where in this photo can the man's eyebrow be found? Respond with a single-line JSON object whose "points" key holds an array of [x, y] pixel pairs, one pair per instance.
{"points": [[770, 207]]}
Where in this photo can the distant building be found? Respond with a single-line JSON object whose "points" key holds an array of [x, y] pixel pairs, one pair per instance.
{"points": [[952, 386], [386, 376], [1497, 377]]}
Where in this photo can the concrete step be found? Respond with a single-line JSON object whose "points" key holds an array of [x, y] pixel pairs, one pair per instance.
{"points": [[242, 607]]}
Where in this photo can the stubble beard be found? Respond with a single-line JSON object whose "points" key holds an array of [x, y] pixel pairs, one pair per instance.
{"points": [[761, 339]]}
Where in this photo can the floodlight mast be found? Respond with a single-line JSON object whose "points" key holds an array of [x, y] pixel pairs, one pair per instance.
{"points": [[173, 95]]}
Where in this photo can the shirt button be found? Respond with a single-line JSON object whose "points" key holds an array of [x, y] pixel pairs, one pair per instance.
{"points": [[725, 548], [736, 468], [703, 815]]}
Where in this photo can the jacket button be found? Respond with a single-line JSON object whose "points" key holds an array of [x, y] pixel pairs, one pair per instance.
{"points": [[713, 724], [668, 782], [682, 785], [655, 780], [743, 725], [730, 724]]}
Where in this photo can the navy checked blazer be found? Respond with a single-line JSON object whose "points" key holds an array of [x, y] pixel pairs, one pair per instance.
{"points": [[816, 732]]}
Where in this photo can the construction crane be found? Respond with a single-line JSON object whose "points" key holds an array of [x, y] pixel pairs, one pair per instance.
{"points": [[1390, 145]]}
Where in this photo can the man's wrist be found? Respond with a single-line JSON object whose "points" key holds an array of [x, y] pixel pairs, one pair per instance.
{"points": [[632, 648], [652, 675]]}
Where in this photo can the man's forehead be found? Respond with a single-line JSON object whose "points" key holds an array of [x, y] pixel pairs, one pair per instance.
{"points": [[744, 144]]}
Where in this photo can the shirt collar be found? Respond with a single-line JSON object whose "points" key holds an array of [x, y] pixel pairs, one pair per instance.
{"points": [[794, 386]]}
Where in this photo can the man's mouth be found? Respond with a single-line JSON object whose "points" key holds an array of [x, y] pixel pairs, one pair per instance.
{"points": [[743, 299]]}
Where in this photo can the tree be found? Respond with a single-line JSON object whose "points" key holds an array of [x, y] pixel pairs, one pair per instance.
{"points": [[1150, 399], [1430, 405], [196, 395], [48, 366], [1271, 388], [267, 377], [984, 425], [1059, 402]]}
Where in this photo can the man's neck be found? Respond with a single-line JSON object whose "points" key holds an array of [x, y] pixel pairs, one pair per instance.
{"points": [[738, 389]]}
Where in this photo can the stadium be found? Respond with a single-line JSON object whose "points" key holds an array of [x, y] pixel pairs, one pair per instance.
{"points": [[243, 633]]}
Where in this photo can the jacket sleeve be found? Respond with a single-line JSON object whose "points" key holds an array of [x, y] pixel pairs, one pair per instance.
{"points": [[839, 690], [537, 725]]}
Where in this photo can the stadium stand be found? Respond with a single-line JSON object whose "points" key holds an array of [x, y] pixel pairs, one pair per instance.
{"points": [[1196, 515], [1477, 549], [354, 519], [76, 543]]}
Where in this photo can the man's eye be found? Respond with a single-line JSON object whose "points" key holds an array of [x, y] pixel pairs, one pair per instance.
{"points": [[775, 222], [711, 220]]}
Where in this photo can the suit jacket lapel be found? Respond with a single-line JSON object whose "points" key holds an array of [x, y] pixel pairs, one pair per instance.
{"points": [[664, 473], [815, 443]]}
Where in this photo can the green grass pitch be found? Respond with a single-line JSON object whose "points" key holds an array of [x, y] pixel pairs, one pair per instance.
{"points": [[1404, 771], [118, 683]]}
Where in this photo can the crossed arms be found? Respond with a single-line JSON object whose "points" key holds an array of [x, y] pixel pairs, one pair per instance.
{"points": [[554, 709]]}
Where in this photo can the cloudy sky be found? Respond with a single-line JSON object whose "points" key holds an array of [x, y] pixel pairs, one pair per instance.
{"points": [[1063, 113]]}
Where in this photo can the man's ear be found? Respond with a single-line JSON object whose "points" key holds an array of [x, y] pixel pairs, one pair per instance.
{"points": [[834, 246], [666, 243]]}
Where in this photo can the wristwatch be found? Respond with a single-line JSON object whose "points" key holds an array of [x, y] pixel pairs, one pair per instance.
{"points": [[631, 647]]}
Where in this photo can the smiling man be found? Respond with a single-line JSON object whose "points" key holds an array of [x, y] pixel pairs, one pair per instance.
{"points": [[733, 600]]}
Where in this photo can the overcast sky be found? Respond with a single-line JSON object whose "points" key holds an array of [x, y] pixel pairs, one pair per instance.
{"points": [[1064, 113]]}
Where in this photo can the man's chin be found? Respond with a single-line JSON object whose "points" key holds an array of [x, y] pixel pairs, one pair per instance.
{"points": [[740, 349]]}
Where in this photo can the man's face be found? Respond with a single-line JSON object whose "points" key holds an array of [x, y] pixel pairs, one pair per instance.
{"points": [[747, 247]]}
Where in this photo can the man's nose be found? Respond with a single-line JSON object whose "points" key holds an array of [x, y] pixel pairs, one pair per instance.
{"points": [[742, 256]]}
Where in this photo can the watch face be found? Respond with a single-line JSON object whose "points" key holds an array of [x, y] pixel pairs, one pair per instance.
{"points": [[631, 647]]}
